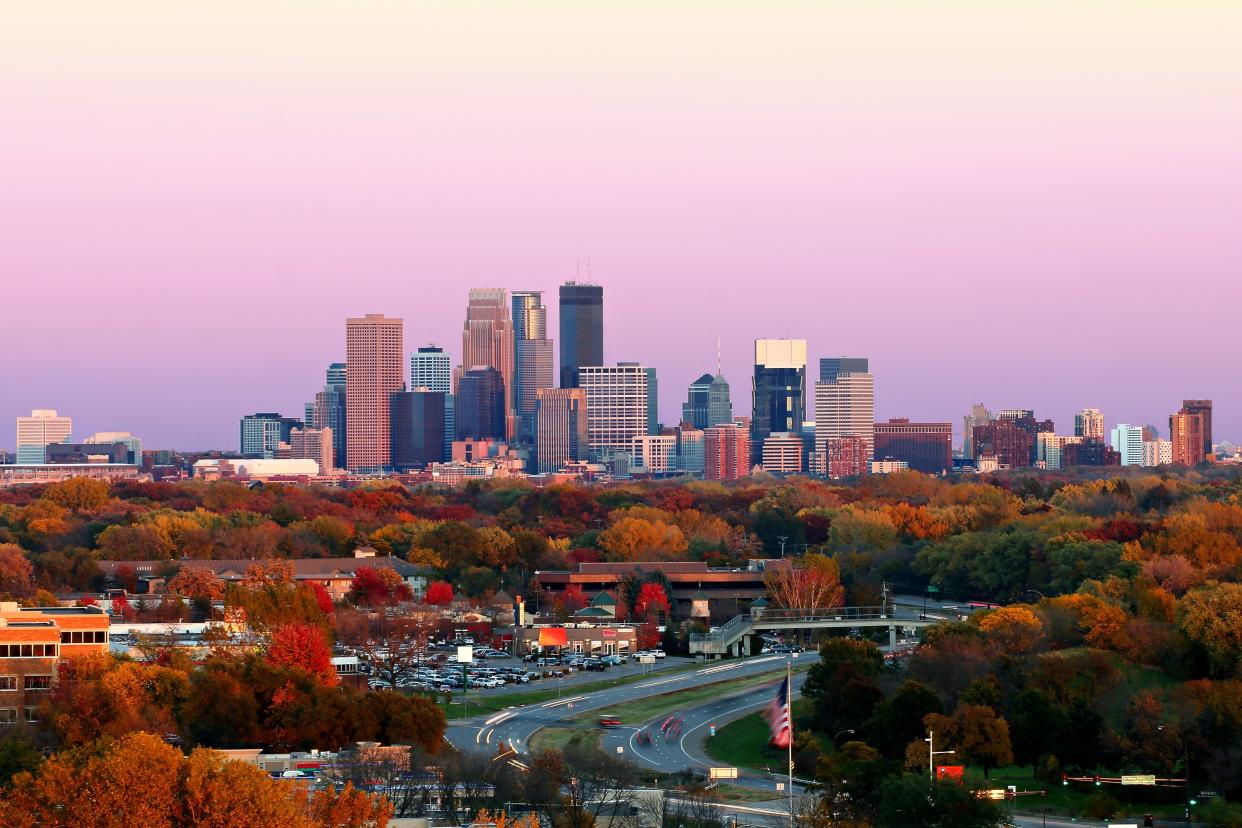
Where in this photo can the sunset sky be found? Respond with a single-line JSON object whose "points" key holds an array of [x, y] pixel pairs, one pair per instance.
{"points": [[1022, 204]]}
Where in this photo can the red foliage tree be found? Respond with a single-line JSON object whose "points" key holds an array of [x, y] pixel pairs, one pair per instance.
{"points": [[651, 599], [378, 587], [87, 601], [121, 607], [322, 597], [304, 647], [648, 636], [439, 593], [573, 598], [582, 555]]}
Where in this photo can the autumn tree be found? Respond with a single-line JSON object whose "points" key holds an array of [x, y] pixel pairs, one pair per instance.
{"points": [[439, 593], [197, 583], [304, 647], [816, 584], [636, 539], [378, 586], [1211, 616], [652, 600], [975, 733], [392, 644], [1015, 629], [16, 571], [78, 494], [269, 572]]}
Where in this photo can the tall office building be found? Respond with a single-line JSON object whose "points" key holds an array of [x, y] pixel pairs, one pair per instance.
{"points": [[417, 419], [582, 329], [36, 432], [778, 390], [487, 342], [313, 444], [561, 428], [1127, 440], [1204, 409], [1186, 430], [328, 410], [707, 402], [1089, 423], [374, 353], [262, 433], [481, 412], [726, 452], [979, 415], [654, 453], [532, 358], [1157, 452], [844, 403], [925, 447], [620, 406], [430, 369]]}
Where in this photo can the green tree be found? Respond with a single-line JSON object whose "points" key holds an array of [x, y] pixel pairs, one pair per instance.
{"points": [[911, 800]]}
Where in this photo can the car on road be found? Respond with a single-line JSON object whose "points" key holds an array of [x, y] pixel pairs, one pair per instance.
{"points": [[609, 721]]}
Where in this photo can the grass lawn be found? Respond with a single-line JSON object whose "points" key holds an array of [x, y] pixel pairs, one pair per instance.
{"points": [[743, 743], [558, 737], [483, 702]]}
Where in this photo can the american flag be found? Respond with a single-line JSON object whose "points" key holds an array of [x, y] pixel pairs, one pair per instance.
{"points": [[778, 716]]}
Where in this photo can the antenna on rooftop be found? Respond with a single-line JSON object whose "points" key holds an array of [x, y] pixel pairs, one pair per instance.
{"points": [[717, 354]]}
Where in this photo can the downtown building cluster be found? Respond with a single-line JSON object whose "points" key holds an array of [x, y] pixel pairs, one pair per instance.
{"points": [[506, 407]]}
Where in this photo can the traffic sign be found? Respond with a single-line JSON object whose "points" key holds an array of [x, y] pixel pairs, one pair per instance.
{"points": [[1139, 779], [646, 659], [724, 773]]}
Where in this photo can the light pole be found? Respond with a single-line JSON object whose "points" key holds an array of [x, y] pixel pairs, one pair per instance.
{"points": [[834, 738], [932, 753], [782, 539]]}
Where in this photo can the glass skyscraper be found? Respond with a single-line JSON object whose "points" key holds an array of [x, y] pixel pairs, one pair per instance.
{"points": [[582, 329]]}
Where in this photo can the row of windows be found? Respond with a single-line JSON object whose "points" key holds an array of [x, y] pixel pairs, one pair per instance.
{"points": [[28, 650], [29, 683], [84, 637], [9, 715]]}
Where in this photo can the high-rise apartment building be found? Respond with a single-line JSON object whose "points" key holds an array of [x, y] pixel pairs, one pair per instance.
{"points": [[262, 433], [1010, 444], [42, 428], [328, 410], [313, 444], [487, 342], [532, 358], [726, 452], [1089, 423], [1186, 434], [1089, 451], [778, 390], [654, 453], [845, 403], [925, 447], [1024, 418], [417, 419], [1127, 440], [846, 457], [620, 404], [1157, 452], [561, 428], [1204, 409], [979, 415], [430, 369], [1048, 448], [481, 412], [374, 353], [582, 329], [782, 453]]}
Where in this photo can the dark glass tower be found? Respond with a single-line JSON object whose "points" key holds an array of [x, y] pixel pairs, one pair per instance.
{"points": [[417, 428], [481, 405], [698, 402], [582, 329]]}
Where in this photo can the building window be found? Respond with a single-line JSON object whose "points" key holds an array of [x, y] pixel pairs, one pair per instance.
{"points": [[8, 682], [38, 682], [32, 714], [8, 715]]}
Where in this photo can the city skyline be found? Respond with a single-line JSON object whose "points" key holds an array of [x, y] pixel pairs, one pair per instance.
{"points": [[962, 194]]}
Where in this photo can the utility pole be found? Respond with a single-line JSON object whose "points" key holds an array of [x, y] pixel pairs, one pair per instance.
{"points": [[932, 753], [782, 539]]}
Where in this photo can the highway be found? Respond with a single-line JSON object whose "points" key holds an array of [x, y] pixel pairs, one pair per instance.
{"points": [[514, 726]]}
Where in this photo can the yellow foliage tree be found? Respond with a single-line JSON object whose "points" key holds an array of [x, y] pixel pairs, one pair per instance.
{"points": [[1015, 629]]}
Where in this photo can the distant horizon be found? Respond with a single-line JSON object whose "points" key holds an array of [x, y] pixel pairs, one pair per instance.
{"points": [[1019, 205]]}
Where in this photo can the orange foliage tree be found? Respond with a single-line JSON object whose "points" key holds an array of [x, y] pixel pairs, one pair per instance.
{"points": [[1015, 629], [16, 571], [197, 582], [302, 646]]}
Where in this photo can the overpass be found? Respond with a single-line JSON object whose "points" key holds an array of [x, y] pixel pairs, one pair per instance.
{"points": [[730, 639]]}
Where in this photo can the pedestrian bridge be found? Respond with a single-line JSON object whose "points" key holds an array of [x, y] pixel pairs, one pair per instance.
{"points": [[731, 639]]}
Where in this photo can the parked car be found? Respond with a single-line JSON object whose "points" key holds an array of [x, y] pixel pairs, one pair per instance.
{"points": [[595, 665], [658, 653]]}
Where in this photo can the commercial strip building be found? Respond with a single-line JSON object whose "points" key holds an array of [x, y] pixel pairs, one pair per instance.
{"points": [[38, 473]]}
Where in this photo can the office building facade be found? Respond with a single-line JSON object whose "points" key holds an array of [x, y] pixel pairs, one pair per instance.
{"points": [[582, 329], [1204, 409], [1127, 440], [374, 357], [487, 342], [845, 403], [313, 444], [653, 453], [417, 419], [782, 453], [430, 368], [1011, 445], [133, 445], [620, 404], [327, 410], [34, 433], [846, 457], [1089, 423], [1186, 434], [690, 450], [561, 428], [979, 415], [262, 433], [778, 390], [481, 412], [532, 359], [925, 447]]}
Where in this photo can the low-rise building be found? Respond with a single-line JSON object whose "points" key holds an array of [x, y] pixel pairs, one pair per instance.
{"points": [[33, 640]]}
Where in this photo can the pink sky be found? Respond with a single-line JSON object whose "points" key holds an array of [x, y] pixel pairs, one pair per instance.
{"points": [[1028, 205]]}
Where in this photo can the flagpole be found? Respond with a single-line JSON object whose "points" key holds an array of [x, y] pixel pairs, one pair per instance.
{"points": [[789, 702]]}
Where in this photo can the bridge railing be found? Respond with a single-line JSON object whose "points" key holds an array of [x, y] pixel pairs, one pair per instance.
{"points": [[777, 614], [724, 631]]}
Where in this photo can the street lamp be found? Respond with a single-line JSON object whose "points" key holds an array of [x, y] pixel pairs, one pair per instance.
{"points": [[782, 539], [932, 753], [834, 738]]}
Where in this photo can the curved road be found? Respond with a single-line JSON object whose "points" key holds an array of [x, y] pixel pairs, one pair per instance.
{"points": [[514, 726]]}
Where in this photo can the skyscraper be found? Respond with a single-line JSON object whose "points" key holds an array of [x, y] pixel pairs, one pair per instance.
{"points": [[430, 369], [1186, 430], [582, 329], [374, 352], [778, 390], [417, 428], [694, 409], [532, 358], [561, 434], [36, 432], [1204, 409], [1089, 423], [328, 410], [487, 341], [481, 405], [925, 447], [619, 406], [1127, 440], [262, 433], [726, 452], [979, 415], [844, 403], [312, 444]]}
